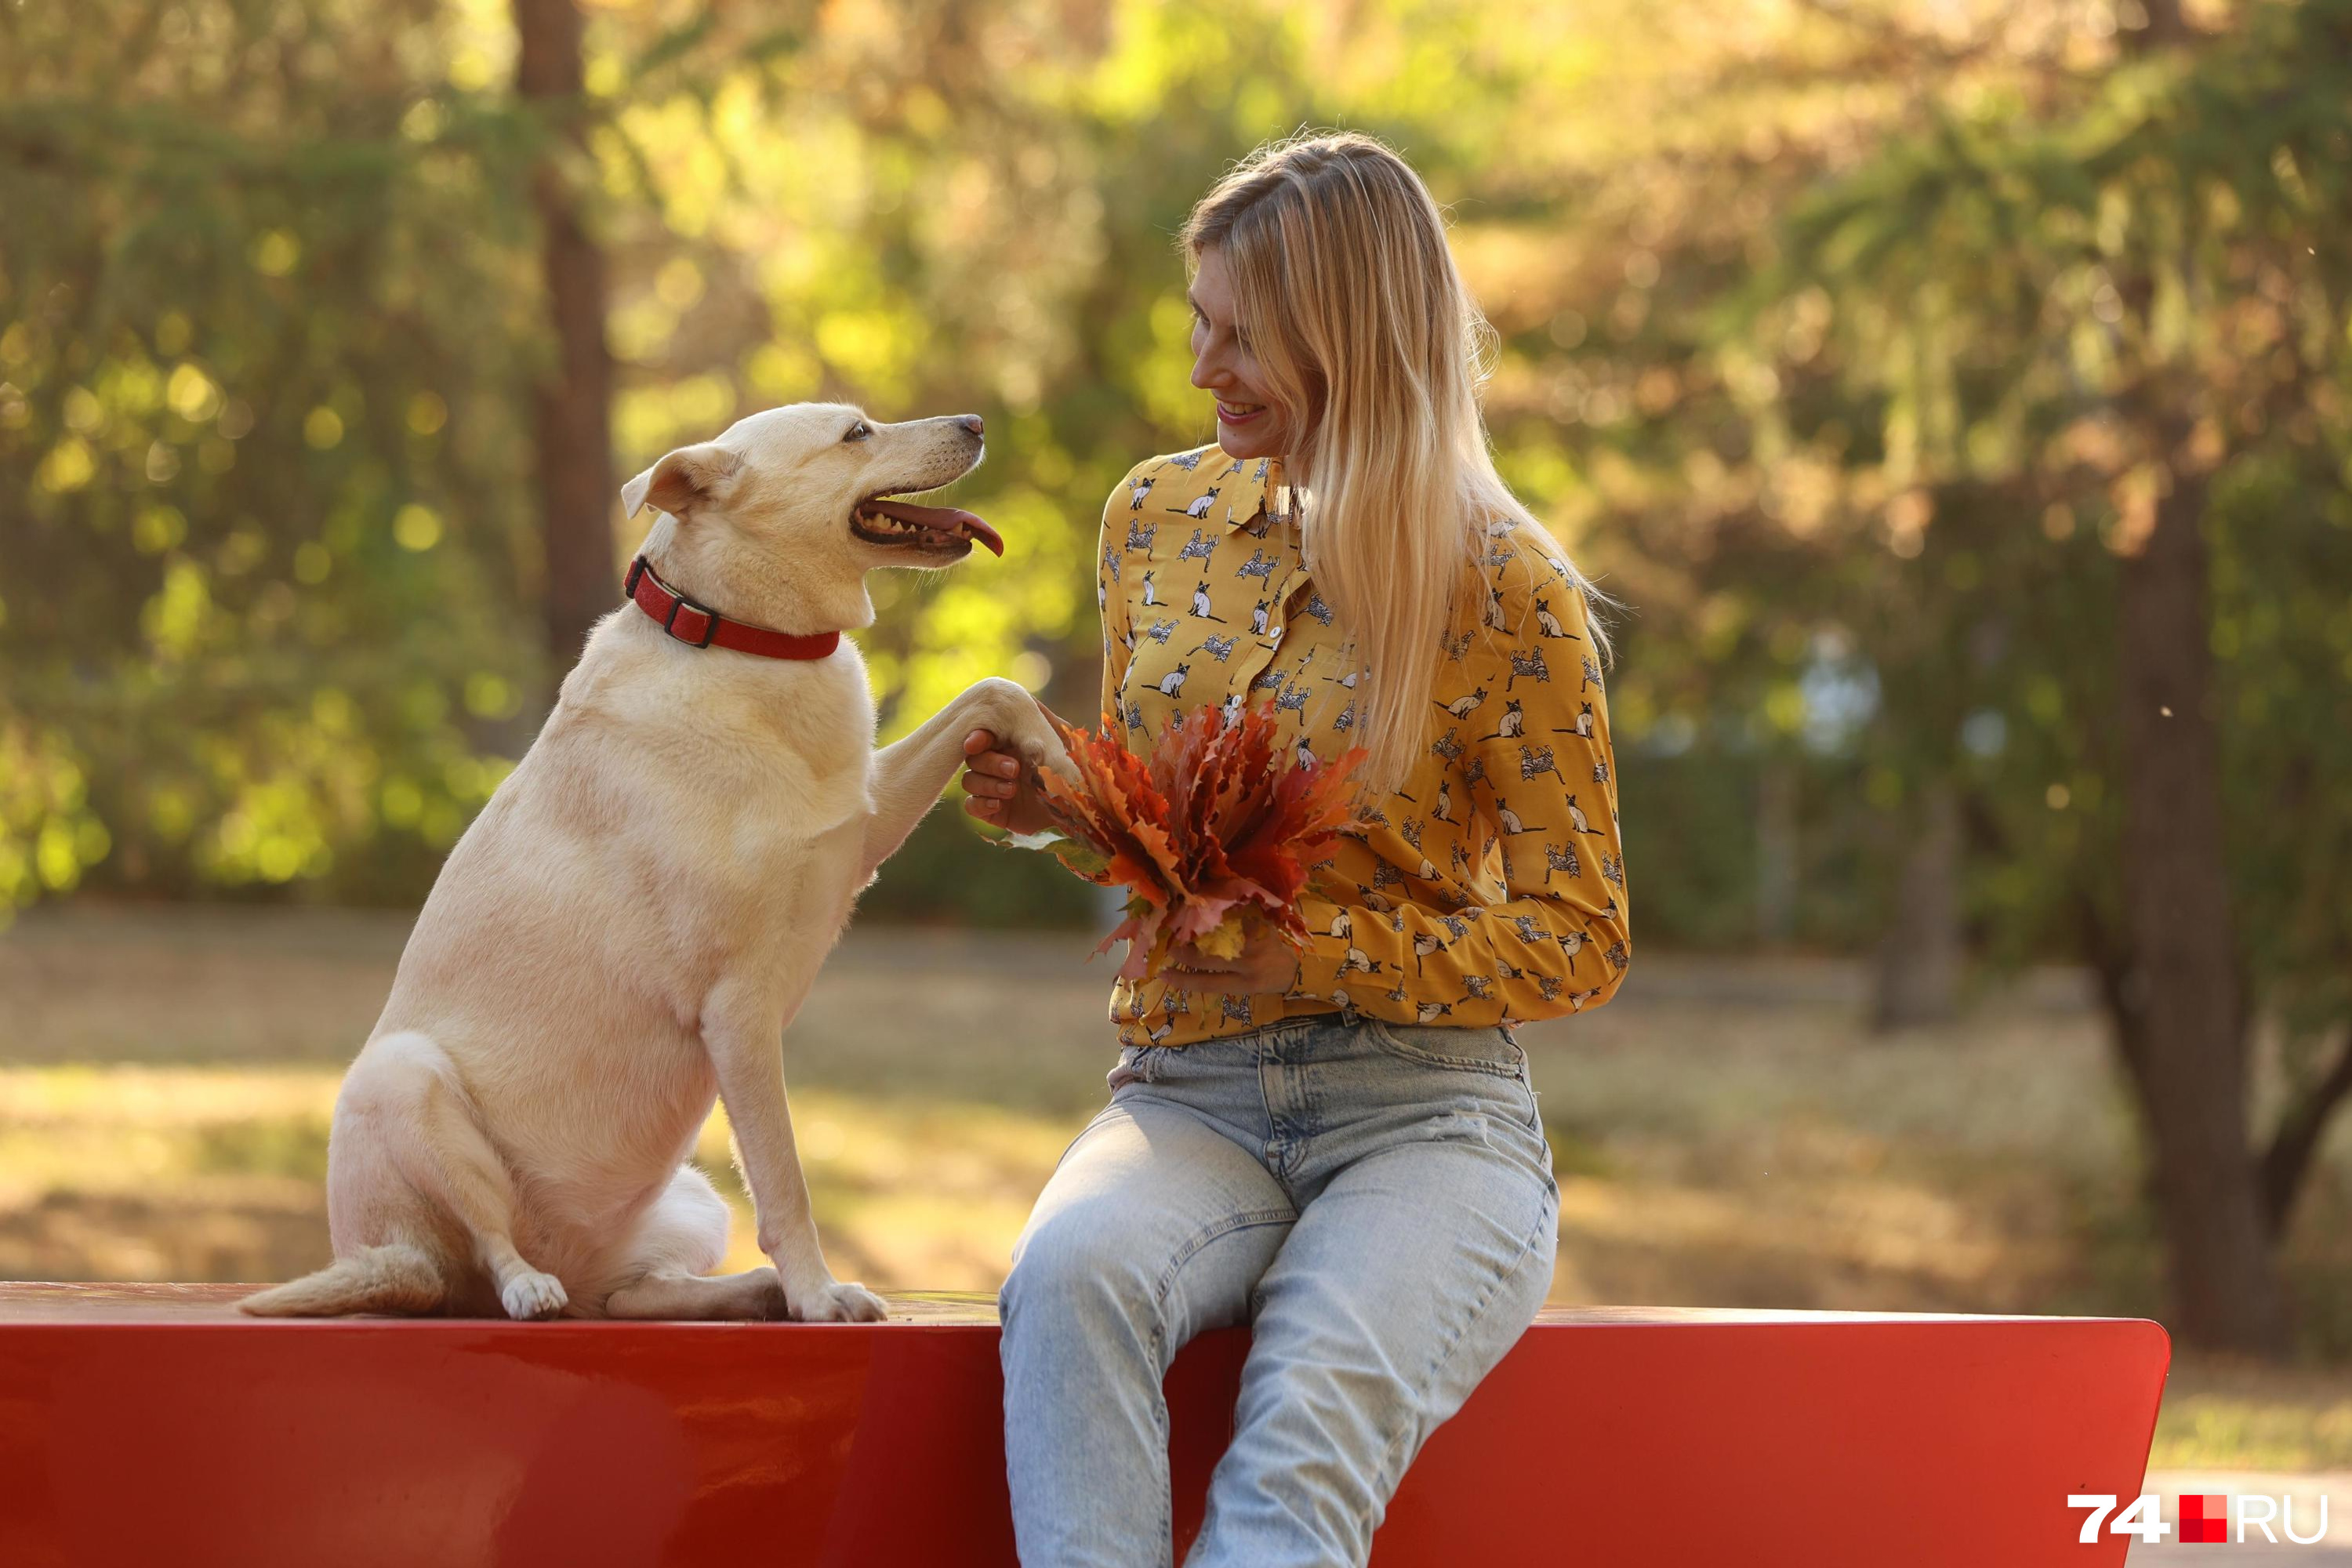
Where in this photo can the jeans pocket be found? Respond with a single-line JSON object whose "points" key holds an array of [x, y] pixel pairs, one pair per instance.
{"points": [[1490, 1052]]}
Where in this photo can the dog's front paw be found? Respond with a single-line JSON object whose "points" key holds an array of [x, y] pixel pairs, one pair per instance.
{"points": [[531, 1294], [1044, 750], [1021, 726], [839, 1303]]}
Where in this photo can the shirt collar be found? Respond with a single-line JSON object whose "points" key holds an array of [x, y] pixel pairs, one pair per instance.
{"points": [[1259, 483]]}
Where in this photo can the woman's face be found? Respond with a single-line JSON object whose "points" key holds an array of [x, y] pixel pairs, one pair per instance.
{"points": [[1248, 423]]}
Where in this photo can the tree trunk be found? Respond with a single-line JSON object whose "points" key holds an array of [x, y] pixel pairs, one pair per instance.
{"points": [[1776, 852], [2224, 1286], [1916, 978], [571, 432], [2295, 1144], [2121, 996]]}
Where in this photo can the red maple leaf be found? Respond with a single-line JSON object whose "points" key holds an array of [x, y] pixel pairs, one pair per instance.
{"points": [[1212, 835]]}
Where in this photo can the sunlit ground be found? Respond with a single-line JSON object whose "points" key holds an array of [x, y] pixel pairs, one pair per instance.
{"points": [[1726, 1135]]}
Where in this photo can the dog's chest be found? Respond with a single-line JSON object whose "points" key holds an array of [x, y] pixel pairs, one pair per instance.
{"points": [[722, 773], [801, 758]]}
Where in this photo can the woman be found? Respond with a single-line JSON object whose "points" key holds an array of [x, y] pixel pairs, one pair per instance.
{"points": [[1339, 1146]]}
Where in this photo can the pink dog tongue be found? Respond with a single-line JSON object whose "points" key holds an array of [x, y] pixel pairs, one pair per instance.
{"points": [[946, 518]]}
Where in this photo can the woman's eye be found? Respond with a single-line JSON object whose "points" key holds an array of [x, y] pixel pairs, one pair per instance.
{"points": [[858, 432]]}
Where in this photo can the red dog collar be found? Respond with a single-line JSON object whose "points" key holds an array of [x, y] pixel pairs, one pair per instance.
{"points": [[699, 625]]}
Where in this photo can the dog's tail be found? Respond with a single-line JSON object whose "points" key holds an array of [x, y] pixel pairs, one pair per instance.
{"points": [[397, 1278]]}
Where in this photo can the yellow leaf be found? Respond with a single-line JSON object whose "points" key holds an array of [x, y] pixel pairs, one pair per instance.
{"points": [[1225, 938]]}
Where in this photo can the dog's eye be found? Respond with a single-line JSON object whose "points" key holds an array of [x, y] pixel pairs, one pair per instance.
{"points": [[859, 431]]}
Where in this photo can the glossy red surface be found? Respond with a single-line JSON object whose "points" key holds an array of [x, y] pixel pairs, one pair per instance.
{"points": [[149, 1425]]}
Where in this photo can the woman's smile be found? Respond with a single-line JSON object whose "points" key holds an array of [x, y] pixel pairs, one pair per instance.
{"points": [[1249, 424]]}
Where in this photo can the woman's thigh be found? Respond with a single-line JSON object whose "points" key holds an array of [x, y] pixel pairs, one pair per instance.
{"points": [[1428, 1229], [1404, 1280], [1154, 1221], [1421, 1254]]}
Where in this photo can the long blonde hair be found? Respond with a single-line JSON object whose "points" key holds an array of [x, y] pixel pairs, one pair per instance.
{"points": [[1349, 299]]}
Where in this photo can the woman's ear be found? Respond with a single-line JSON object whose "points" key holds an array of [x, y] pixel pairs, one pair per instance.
{"points": [[682, 480]]}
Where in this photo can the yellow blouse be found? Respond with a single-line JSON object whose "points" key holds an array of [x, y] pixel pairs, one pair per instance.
{"points": [[1491, 888]]}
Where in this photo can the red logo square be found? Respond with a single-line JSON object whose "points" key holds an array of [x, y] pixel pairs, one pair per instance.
{"points": [[2204, 1519]]}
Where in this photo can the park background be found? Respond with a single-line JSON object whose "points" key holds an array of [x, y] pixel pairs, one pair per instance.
{"points": [[1955, 396]]}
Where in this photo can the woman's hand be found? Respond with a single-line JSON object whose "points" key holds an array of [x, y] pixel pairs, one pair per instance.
{"points": [[997, 788], [1268, 964]]}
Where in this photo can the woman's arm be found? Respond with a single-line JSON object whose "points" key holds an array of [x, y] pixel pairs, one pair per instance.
{"points": [[1560, 940]]}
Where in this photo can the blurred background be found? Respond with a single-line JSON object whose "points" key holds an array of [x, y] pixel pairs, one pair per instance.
{"points": [[1955, 394]]}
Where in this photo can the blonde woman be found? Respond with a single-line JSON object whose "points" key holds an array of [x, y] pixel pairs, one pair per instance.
{"points": [[1340, 1147]]}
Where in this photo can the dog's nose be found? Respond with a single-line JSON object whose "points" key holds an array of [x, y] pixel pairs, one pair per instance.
{"points": [[971, 422]]}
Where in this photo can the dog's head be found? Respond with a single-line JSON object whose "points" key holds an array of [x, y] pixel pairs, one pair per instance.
{"points": [[788, 510]]}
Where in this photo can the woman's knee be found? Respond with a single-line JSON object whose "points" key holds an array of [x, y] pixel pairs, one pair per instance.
{"points": [[1082, 1262]]}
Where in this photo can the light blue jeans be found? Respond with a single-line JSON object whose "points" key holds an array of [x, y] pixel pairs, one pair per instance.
{"points": [[1375, 1200]]}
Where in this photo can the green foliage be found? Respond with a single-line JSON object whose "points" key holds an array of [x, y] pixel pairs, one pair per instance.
{"points": [[258, 445], [271, 313], [2050, 319], [946, 874], [269, 308], [2282, 636]]}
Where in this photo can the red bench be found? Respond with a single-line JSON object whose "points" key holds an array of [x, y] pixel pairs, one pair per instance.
{"points": [[150, 1423]]}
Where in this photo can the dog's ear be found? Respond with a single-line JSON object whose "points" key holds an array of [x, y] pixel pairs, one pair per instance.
{"points": [[681, 480]]}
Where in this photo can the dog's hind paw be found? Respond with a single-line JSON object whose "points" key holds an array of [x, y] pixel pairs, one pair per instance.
{"points": [[531, 1294], [840, 1303], [770, 1303]]}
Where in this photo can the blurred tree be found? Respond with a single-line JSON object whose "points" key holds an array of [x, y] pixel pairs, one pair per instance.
{"points": [[572, 403], [2108, 306], [930, 205], [256, 481], [1916, 975]]}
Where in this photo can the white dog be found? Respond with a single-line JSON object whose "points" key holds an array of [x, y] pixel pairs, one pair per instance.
{"points": [[631, 921]]}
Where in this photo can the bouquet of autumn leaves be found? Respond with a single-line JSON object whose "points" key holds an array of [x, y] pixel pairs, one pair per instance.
{"points": [[1211, 836]]}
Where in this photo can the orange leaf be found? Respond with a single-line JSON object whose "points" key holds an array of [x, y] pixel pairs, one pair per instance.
{"points": [[1219, 819]]}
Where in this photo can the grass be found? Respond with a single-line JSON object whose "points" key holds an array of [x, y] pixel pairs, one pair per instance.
{"points": [[1724, 1133], [2222, 1415]]}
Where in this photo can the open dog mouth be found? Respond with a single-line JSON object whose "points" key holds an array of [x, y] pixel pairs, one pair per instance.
{"points": [[901, 524]]}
